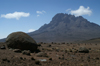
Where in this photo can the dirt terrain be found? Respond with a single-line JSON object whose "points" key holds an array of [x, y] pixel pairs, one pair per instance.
{"points": [[55, 54]]}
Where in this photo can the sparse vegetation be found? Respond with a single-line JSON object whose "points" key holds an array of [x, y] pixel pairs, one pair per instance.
{"points": [[55, 55]]}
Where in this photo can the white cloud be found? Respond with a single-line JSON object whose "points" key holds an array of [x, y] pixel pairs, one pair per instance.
{"points": [[68, 10], [16, 15], [44, 11], [81, 11], [31, 30], [38, 15], [40, 12]]}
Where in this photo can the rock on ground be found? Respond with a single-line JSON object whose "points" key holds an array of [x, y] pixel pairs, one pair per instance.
{"points": [[20, 40]]}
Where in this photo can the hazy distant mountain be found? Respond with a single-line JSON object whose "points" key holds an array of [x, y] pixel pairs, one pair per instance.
{"points": [[3, 40], [66, 28]]}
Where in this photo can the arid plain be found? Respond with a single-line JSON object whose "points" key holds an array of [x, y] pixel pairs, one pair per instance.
{"points": [[53, 54]]}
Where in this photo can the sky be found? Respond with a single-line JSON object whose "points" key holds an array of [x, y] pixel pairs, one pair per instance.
{"points": [[30, 15]]}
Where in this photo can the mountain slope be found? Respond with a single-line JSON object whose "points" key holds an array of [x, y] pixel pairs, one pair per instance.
{"points": [[94, 40], [66, 28]]}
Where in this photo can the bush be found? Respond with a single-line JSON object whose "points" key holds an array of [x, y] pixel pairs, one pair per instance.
{"points": [[32, 58], [37, 62], [50, 58]]}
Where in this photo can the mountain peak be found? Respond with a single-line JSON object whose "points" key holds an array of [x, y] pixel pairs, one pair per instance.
{"points": [[62, 16], [66, 28]]}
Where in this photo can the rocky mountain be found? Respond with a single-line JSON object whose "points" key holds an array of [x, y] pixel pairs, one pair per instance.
{"points": [[66, 28]]}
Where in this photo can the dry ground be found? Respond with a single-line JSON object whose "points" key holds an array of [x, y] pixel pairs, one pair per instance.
{"points": [[58, 54]]}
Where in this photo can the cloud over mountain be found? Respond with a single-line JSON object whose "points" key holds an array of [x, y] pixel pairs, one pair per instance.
{"points": [[68, 9], [16, 15], [81, 11]]}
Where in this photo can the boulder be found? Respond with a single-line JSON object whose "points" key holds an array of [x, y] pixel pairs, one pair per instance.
{"points": [[83, 50], [17, 50], [3, 47], [20, 40], [41, 54], [26, 52]]}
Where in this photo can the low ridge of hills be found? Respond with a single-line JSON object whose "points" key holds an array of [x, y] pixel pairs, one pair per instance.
{"points": [[66, 28]]}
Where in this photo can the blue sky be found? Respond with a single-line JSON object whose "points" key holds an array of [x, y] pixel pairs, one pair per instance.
{"points": [[30, 15]]}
